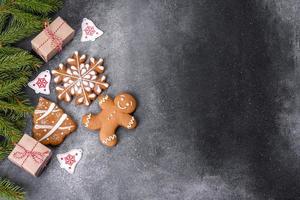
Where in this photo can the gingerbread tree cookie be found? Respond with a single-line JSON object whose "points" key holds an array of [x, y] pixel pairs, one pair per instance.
{"points": [[50, 124], [114, 113], [80, 79]]}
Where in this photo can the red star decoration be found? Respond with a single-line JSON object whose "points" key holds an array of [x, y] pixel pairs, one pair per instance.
{"points": [[89, 30], [70, 159], [41, 83]]}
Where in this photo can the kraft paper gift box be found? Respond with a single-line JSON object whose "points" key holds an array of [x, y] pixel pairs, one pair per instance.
{"points": [[30, 155], [52, 39]]}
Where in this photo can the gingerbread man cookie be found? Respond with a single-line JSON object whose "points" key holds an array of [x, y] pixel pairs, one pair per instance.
{"points": [[114, 113]]}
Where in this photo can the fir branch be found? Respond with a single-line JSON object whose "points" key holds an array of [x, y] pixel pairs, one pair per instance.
{"points": [[38, 6], [3, 20], [14, 75], [16, 60], [18, 20], [5, 51], [8, 130], [20, 98], [15, 110], [11, 87], [21, 25], [10, 191], [5, 148], [20, 124]]}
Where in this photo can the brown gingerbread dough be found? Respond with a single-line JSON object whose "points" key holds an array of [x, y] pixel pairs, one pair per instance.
{"points": [[114, 113], [50, 123]]}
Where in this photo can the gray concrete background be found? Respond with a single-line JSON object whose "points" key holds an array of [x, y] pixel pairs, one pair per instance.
{"points": [[217, 86]]}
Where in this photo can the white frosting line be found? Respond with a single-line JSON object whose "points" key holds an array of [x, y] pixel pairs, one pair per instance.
{"points": [[88, 120], [130, 122], [43, 111], [118, 104], [103, 99], [51, 107], [57, 125], [38, 126], [110, 138]]}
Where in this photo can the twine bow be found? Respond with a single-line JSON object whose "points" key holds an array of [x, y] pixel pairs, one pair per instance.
{"points": [[55, 40], [38, 157]]}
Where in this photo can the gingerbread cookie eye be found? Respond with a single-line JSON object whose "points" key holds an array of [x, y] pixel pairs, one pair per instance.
{"points": [[125, 103]]}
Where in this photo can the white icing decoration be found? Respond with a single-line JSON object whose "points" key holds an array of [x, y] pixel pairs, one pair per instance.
{"points": [[57, 125], [43, 111], [111, 115], [104, 99], [50, 109], [110, 138], [88, 120], [45, 127], [119, 106], [80, 100], [56, 79], [130, 123]]}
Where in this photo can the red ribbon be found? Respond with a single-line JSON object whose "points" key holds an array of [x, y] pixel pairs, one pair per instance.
{"points": [[38, 157], [55, 40]]}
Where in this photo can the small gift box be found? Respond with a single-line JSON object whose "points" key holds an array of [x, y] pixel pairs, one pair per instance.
{"points": [[52, 39], [30, 155]]}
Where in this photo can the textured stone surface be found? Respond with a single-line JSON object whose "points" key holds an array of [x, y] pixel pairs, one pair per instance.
{"points": [[217, 86]]}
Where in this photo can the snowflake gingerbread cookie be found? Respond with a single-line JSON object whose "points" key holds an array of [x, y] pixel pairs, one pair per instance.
{"points": [[89, 31], [80, 79], [114, 113], [41, 83], [69, 160], [50, 124]]}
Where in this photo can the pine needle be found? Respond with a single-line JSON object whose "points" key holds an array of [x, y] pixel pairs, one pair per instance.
{"points": [[8, 130], [11, 87], [14, 60], [10, 191], [3, 20], [5, 148], [18, 20], [15, 110], [38, 6], [20, 26]]}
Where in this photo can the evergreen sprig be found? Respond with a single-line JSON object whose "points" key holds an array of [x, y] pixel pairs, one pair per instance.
{"points": [[18, 20], [6, 147], [8, 130], [14, 61], [10, 87], [15, 110], [21, 18], [42, 7], [10, 191]]}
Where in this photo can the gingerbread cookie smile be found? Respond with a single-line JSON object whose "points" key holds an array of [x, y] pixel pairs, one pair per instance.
{"points": [[119, 104]]}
